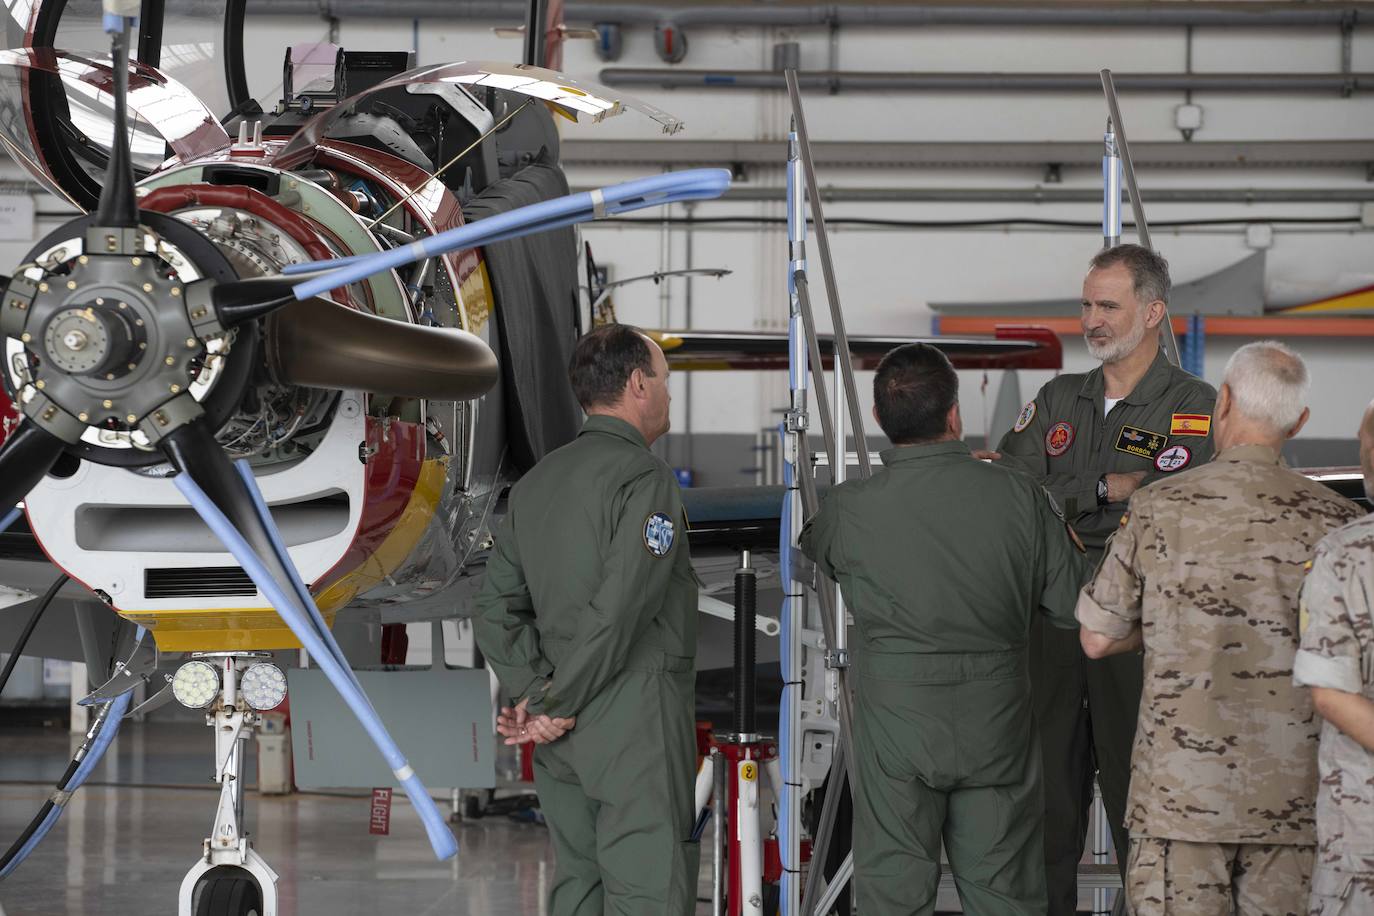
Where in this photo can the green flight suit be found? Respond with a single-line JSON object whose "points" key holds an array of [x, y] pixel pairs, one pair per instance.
{"points": [[589, 609], [1087, 709], [943, 561]]}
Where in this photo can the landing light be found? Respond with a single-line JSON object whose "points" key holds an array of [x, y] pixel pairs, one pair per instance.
{"points": [[263, 686], [196, 684]]}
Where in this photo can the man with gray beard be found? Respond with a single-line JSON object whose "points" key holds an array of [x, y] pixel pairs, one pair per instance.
{"points": [[1092, 440]]}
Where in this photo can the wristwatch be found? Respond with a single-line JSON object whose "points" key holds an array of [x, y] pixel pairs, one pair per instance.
{"points": [[1102, 490]]}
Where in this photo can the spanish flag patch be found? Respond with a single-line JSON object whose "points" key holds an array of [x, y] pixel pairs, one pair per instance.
{"points": [[1190, 424]]}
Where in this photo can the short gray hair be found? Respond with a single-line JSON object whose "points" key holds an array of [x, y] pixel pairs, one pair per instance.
{"points": [[1149, 271], [1268, 383]]}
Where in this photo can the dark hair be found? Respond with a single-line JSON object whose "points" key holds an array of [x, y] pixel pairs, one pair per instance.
{"points": [[1149, 271], [913, 391], [603, 360]]}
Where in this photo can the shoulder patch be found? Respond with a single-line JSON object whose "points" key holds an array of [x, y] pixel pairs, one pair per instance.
{"points": [[1173, 458], [1024, 418], [659, 533], [1125, 517], [1190, 424], [1058, 439]]}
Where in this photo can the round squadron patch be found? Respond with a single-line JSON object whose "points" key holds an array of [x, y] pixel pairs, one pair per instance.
{"points": [[1024, 418], [658, 534], [1173, 458], [1058, 439]]}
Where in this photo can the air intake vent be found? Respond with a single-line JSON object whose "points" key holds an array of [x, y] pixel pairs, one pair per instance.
{"points": [[198, 582]]}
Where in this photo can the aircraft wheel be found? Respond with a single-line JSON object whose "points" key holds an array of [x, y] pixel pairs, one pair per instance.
{"points": [[229, 897]]}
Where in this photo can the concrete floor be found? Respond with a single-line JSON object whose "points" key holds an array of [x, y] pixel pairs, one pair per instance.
{"points": [[123, 849], [127, 839]]}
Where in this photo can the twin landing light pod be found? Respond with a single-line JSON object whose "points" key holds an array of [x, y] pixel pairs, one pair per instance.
{"points": [[197, 683]]}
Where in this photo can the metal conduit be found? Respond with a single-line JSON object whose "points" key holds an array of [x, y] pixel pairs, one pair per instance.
{"points": [[861, 81], [1157, 15]]}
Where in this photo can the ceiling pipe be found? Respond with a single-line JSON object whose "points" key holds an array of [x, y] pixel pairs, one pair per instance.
{"points": [[1043, 195], [1144, 15], [876, 81], [1210, 154]]}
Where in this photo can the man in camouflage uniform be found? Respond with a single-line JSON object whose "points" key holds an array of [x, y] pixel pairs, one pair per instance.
{"points": [[1206, 569], [1092, 440], [1336, 659], [944, 561]]}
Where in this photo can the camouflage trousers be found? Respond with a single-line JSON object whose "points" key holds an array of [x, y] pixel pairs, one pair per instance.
{"points": [[1342, 886], [1178, 878]]}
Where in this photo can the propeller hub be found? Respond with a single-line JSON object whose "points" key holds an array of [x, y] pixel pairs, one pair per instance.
{"points": [[94, 340], [108, 340]]}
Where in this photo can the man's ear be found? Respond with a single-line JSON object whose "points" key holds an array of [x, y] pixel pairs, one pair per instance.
{"points": [[1155, 312], [636, 385], [1223, 407], [1302, 421], [954, 421]]}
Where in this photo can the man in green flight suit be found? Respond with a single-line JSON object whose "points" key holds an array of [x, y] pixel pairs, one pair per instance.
{"points": [[1092, 440], [588, 617], [944, 560]]}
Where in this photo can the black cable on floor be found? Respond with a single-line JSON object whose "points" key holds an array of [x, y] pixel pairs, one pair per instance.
{"points": [[23, 640], [29, 627]]}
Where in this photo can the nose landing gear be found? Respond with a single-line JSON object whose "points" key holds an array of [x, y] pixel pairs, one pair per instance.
{"points": [[230, 879]]}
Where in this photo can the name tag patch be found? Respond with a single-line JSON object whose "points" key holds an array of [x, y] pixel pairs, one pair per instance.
{"points": [[1173, 458], [1190, 424], [1140, 442], [658, 534], [1058, 439]]}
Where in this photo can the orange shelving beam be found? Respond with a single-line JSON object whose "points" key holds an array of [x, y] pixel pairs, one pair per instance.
{"points": [[1217, 325]]}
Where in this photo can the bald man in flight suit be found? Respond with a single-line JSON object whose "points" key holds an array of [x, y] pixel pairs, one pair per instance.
{"points": [[588, 617]]}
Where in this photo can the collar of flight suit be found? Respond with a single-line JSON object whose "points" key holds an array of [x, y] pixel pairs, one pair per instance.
{"points": [[900, 454], [1254, 454], [1152, 384], [614, 426]]}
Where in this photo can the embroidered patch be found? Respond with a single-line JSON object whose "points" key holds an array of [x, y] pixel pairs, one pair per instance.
{"points": [[1190, 424], [1173, 458], [658, 534], [1140, 442], [1024, 418], [1058, 439]]}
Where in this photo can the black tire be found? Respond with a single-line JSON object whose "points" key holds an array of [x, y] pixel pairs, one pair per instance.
{"points": [[229, 897]]}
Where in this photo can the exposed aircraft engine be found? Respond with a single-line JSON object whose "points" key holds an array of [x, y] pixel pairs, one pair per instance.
{"points": [[357, 411]]}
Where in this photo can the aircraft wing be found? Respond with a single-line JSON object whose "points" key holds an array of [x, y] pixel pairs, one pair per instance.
{"points": [[1014, 347]]}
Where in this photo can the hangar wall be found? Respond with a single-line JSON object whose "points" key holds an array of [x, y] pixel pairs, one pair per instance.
{"points": [[888, 275]]}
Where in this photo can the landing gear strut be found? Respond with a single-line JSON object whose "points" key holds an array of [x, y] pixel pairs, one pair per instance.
{"points": [[230, 879]]}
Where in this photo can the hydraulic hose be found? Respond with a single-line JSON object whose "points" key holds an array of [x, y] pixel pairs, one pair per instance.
{"points": [[288, 607], [98, 740]]}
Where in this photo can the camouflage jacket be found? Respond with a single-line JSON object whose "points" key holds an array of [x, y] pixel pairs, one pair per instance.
{"points": [[1337, 651], [1209, 563]]}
